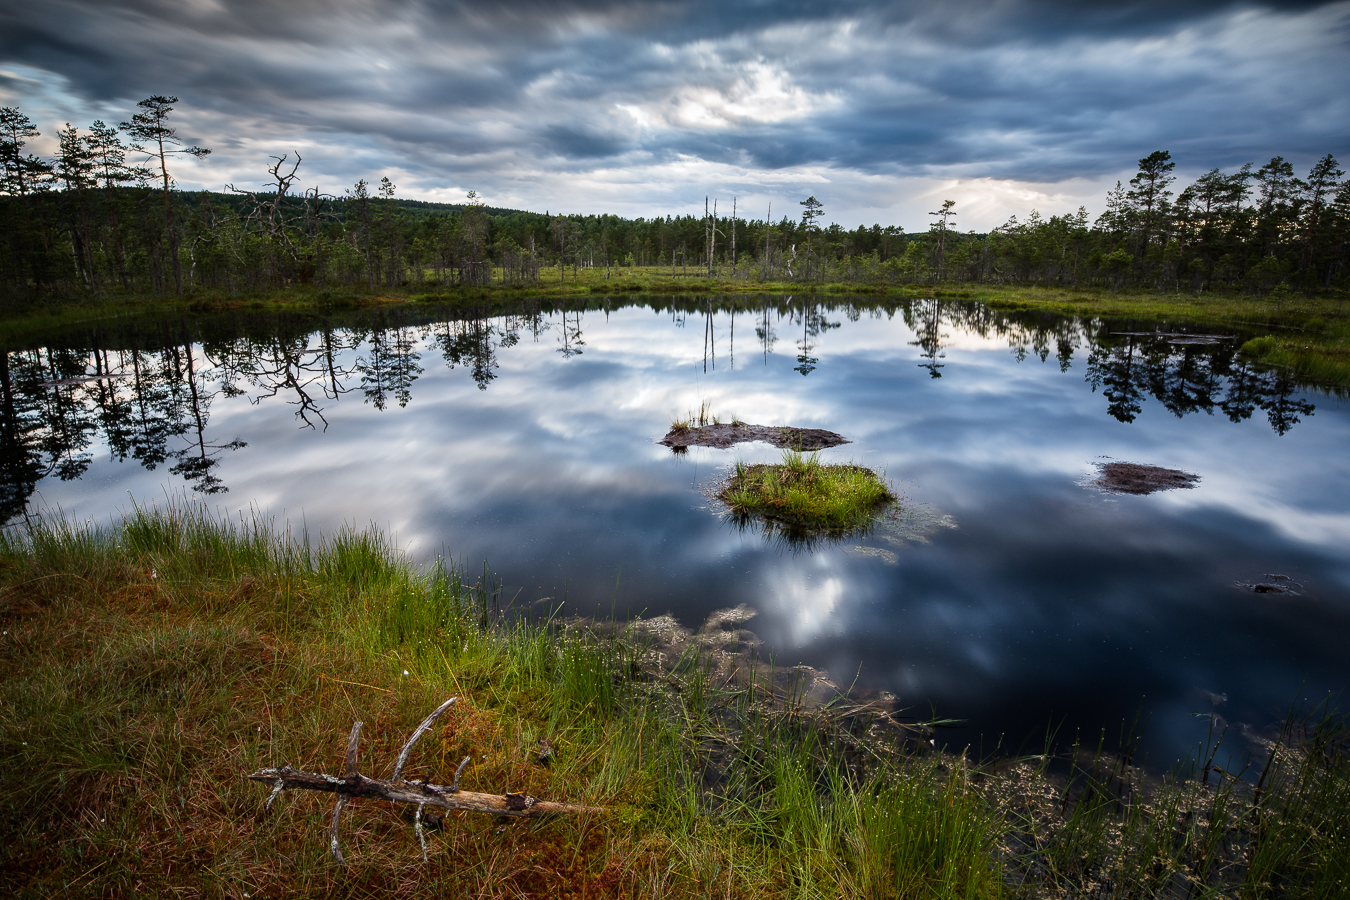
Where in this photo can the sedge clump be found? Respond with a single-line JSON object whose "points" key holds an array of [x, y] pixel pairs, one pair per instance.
{"points": [[803, 491]]}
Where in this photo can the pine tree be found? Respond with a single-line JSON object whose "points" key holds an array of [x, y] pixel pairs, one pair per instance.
{"points": [[945, 216], [1149, 194], [152, 136], [812, 210]]}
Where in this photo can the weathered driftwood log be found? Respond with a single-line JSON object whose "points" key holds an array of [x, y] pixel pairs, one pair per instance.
{"points": [[397, 790]]}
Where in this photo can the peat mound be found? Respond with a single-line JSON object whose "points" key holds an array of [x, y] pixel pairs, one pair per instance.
{"points": [[1274, 583], [1133, 478], [724, 436]]}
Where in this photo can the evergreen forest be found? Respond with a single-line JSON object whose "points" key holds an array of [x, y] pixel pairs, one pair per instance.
{"points": [[104, 218]]}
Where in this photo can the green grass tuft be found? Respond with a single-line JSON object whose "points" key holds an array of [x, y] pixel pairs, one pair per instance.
{"points": [[803, 491], [1259, 347]]}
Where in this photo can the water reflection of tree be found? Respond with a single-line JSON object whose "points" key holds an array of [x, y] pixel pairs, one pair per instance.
{"points": [[151, 397], [1184, 382], [21, 463], [1122, 377], [54, 401], [191, 394], [570, 339], [300, 366], [148, 388], [473, 343], [709, 336], [925, 320], [389, 366], [1185, 376], [1188, 378], [68, 424], [764, 330], [813, 324], [1283, 408]]}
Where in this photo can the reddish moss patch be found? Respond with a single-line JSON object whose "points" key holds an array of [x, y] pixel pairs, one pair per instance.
{"points": [[1133, 478]]}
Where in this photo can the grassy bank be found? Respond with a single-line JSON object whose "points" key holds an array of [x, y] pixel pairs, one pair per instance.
{"points": [[1310, 334], [146, 667]]}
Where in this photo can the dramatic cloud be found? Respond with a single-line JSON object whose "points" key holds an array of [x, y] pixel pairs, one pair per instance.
{"points": [[879, 109]]}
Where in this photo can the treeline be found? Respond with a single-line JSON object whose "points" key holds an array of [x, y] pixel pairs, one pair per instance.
{"points": [[104, 217]]}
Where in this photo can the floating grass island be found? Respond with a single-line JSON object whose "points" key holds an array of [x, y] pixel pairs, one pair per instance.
{"points": [[801, 492]]}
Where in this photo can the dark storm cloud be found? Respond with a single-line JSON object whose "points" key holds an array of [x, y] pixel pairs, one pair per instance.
{"points": [[508, 94]]}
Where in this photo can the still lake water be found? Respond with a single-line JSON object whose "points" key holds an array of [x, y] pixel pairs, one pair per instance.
{"points": [[1018, 598]]}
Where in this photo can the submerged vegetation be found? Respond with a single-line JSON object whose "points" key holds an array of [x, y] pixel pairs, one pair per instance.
{"points": [[147, 666], [802, 492]]}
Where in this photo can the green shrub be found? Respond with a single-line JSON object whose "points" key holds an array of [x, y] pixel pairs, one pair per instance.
{"points": [[1258, 348]]}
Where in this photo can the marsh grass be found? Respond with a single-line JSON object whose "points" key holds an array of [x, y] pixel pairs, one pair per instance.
{"points": [[802, 492], [1091, 824], [704, 416], [146, 666], [1309, 335]]}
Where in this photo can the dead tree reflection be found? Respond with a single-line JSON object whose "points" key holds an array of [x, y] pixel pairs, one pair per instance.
{"points": [[571, 339]]}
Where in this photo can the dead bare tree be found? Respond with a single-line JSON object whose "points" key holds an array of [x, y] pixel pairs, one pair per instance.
{"points": [[733, 237], [397, 790], [269, 216], [711, 232]]}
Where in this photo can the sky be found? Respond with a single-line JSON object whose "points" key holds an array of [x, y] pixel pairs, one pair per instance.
{"points": [[881, 110]]}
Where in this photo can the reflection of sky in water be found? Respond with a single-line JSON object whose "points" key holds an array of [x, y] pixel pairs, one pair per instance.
{"points": [[1048, 602]]}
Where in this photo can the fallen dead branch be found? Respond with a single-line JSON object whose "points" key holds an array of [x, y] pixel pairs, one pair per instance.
{"points": [[397, 790]]}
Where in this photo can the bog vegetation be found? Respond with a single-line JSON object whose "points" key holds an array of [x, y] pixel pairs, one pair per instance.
{"points": [[103, 218], [147, 667], [803, 492]]}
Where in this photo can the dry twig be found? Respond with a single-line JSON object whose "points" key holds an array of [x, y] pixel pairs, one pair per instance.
{"points": [[397, 790]]}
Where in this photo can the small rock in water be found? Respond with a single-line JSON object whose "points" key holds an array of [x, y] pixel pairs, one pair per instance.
{"points": [[1274, 583]]}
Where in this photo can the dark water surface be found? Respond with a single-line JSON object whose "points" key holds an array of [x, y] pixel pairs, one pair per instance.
{"points": [[1017, 596]]}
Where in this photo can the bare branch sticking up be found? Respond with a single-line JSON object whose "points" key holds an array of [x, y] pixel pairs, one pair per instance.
{"points": [[353, 740], [420, 730]]}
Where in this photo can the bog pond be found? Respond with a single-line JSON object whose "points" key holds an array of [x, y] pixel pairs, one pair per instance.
{"points": [[1010, 591]]}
